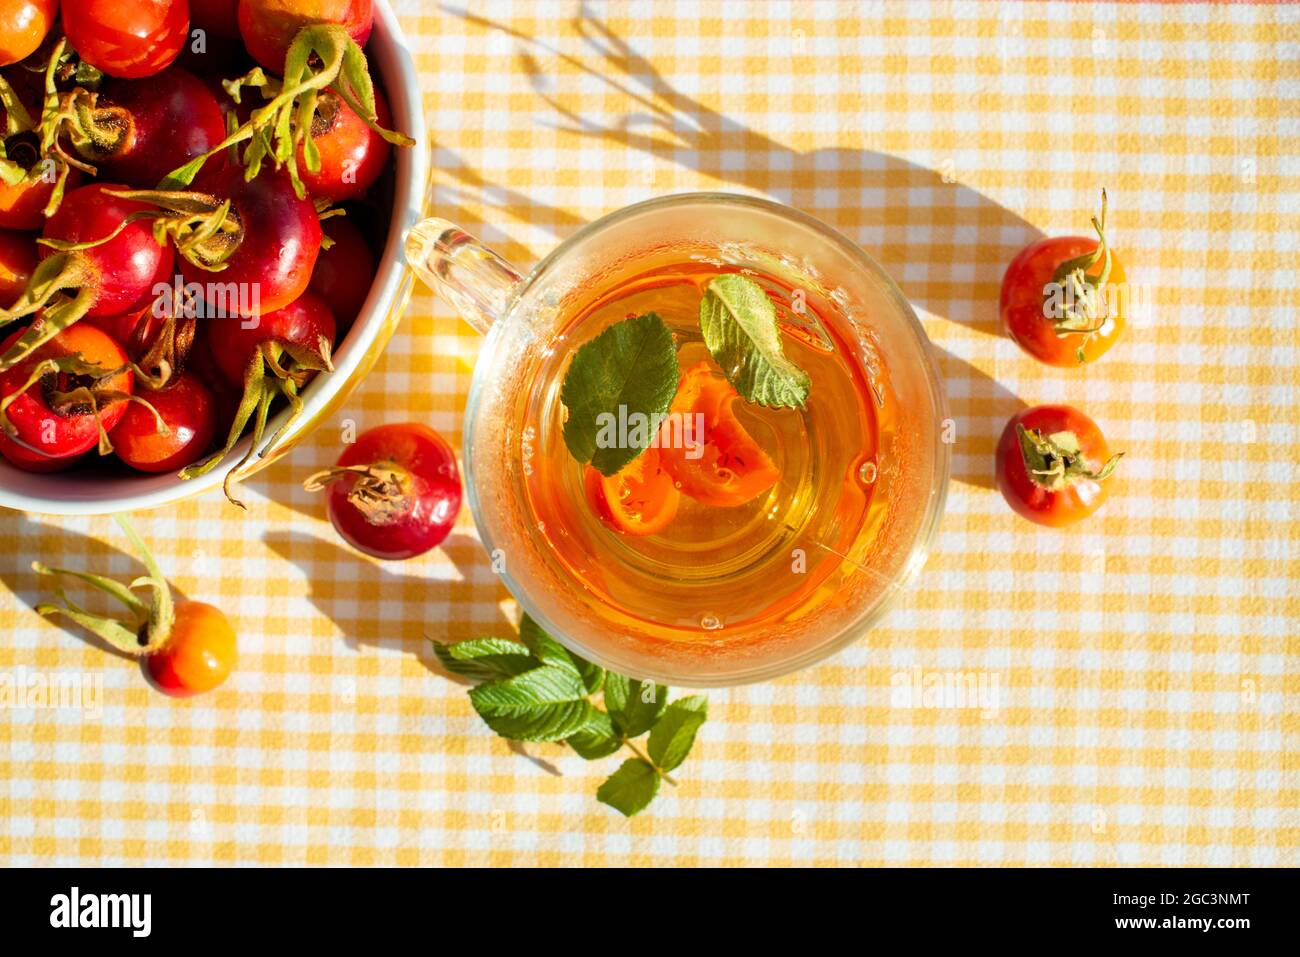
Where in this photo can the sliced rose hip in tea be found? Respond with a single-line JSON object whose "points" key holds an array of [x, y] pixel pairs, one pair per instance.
{"points": [[639, 499], [724, 466]]}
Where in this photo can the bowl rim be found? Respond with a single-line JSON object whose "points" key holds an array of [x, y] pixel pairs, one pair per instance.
{"points": [[391, 57]]}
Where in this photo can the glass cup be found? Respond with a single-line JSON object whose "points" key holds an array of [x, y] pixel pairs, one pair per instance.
{"points": [[521, 317]]}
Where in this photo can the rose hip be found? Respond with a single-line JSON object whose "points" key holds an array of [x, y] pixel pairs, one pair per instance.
{"points": [[158, 126], [352, 153], [274, 356], [18, 258], [27, 193], [187, 409], [54, 403], [110, 275], [344, 272], [305, 325], [127, 38], [269, 26], [263, 247], [395, 493], [23, 26]]}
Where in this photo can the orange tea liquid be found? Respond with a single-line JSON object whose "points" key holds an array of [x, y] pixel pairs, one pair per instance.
{"points": [[774, 559]]}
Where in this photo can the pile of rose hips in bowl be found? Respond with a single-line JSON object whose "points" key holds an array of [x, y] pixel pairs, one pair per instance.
{"points": [[190, 199]]}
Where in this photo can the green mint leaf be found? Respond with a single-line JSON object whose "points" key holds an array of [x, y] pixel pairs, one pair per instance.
{"points": [[629, 372], [483, 659], [549, 684], [634, 706], [598, 739], [674, 733], [630, 788], [740, 329], [549, 722], [551, 652], [593, 676], [544, 648]]}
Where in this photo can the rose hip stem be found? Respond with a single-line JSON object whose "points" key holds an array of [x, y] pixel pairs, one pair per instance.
{"points": [[287, 118], [1053, 461], [150, 624], [75, 114], [134, 132], [186, 647], [258, 233], [275, 358]]}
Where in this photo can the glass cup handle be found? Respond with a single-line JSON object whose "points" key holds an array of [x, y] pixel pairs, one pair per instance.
{"points": [[474, 280]]}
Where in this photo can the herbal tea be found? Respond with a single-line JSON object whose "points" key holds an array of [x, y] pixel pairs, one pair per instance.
{"points": [[685, 508]]}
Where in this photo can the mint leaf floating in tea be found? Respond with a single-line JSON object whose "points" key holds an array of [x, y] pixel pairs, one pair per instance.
{"points": [[617, 390], [740, 329], [536, 690]]}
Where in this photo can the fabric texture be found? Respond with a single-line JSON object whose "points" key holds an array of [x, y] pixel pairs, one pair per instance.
{"points": [[1137, 689]]}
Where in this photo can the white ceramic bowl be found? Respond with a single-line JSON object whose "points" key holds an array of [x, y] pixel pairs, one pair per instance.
{"points": [[76, 493]]}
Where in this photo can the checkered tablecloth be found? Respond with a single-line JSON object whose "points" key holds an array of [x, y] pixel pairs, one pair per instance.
{"points": [[1139, 673]]}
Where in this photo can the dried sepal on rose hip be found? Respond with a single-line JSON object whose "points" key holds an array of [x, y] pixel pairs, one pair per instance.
{"points": [[395, 493], [322, 58], [33, 172], [66, 398], [125, 129], [1053, 463], [187, 647], [273, 357], [258, 233], [1062, 297], [103, 255]]}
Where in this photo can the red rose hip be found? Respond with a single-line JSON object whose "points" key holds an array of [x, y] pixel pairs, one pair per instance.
{"points": [[395, 493]]}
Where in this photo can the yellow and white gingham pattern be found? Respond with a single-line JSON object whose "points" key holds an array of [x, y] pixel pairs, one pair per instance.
{"points": [[1146, 663]]}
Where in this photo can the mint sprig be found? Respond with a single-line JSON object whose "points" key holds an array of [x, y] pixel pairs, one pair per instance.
{"points": [[537, 690], [740, 329], [628, 374]]}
